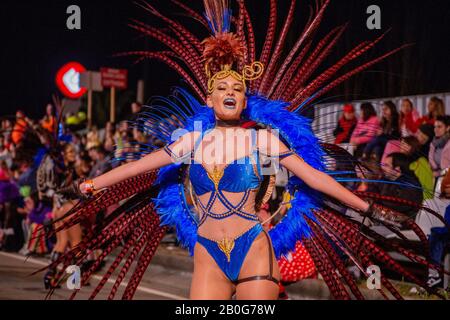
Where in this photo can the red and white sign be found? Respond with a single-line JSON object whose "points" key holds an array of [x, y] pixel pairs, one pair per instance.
{"points": [[116, 78], [68, 80]]}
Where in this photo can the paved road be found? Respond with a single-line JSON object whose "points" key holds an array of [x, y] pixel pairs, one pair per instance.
{"points": [[15, 283]]}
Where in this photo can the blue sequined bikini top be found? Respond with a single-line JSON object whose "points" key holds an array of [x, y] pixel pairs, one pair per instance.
{"points": [[240, 176]]}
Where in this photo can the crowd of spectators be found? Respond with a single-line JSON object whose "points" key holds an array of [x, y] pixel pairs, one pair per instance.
{"points": [[27, 198], [412, 153]]}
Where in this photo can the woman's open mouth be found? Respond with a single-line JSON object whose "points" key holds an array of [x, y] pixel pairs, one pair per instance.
{"points": [[229, 103]]}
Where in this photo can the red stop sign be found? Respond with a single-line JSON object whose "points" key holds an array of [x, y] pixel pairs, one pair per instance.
{"points": [[68, 80]]}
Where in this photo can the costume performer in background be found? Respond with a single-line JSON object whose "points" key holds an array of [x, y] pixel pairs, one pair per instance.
{"points": [[232, 253]]}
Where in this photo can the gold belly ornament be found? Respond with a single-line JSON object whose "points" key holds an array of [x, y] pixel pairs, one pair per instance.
{"points": [[226, 245]]}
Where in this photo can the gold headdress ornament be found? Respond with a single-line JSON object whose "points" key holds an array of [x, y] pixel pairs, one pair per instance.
{"points": [[224, 50]]}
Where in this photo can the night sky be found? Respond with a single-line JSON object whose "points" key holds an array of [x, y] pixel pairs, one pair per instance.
{"points": [[36, 42]]}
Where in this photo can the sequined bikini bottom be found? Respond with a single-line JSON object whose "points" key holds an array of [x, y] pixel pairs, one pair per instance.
{"points": [[230, 253]]}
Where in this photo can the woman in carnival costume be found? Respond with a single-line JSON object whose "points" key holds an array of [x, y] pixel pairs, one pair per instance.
{"points": [[214, 171]]}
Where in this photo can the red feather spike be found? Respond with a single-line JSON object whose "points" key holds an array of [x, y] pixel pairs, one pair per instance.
{"points": [[185, 33], [173, 44], [198, 65], [346, 231], [348, 75], [286, 81], [306, 66], [365, 260], [251, 37], [323, 269], [302, 96], [335, 259], [305, 35], [406, 252], [173, 65], [403, 201], [75, 256], [278, 48], [136, 225], [270, 37], [191, 13], [215, 12], [137, 248], [149, 227], [240, 34], [190, 57], [353, 54], [143, 263], [314, 61], [106, 198], [90, 243]]}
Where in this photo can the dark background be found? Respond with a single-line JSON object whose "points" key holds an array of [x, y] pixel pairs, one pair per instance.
{"points": [[36, 42]]}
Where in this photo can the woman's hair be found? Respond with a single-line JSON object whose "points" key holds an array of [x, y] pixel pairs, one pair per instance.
{"points": [[66, 147], [409, 102], [444, 119], [439, 107], [402, 161], [368, 111], [413, 142], [394, 121]]}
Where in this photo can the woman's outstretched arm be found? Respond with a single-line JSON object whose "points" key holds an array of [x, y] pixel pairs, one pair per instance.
{"points": [[313, 178], [152, 161]]}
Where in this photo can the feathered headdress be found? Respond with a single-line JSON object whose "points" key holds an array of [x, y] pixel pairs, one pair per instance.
{"points": [[224, 50]]}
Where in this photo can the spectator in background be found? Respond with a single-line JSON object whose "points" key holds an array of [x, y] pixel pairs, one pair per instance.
{"points": [[389, 131], [11, 232], [123, 136], [6, 132], [419, 165], [5, 155], [93, 139], [83, 166], [346, 125], [49, 120], [425, 135], [366, 129], [19, 128], [408, 118], [27, 174], [445, 186], [438, 240], [439, 155], [436, 108], [36, 213], [101, 161], [110, 132], [136, 108], [406, 186]]}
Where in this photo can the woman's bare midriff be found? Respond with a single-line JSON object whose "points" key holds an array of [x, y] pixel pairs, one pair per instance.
{"points": [[230, 227]]}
